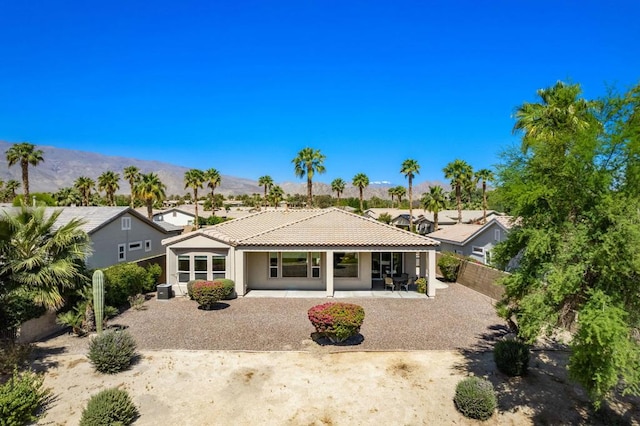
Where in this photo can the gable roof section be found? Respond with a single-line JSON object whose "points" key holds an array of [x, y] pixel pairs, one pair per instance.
{"points": [[462, 233], [328, 227]]}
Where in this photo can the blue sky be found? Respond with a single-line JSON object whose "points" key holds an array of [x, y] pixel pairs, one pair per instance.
{"points": [[242, 86]]}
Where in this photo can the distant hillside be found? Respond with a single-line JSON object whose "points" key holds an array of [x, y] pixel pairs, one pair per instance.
{"points": [[61, 167]]}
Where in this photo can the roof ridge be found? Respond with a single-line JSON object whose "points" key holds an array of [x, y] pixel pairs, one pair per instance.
{"points": [[285, 225]]}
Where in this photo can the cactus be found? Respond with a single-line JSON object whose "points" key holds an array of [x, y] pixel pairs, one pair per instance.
{"points": [[98, 299]]}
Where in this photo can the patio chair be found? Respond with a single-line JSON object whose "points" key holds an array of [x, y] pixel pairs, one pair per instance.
{"points": [[405, 283], [388, 282]]}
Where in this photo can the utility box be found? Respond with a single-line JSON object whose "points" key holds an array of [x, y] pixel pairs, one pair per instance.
{"points": [[164, 291]]}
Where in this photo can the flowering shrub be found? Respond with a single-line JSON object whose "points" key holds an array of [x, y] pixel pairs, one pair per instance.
{"points": [[336, 320], [421, 285], [230, 285], [207, 293]]}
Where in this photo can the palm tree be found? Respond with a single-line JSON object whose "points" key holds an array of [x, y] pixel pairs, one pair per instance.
{"points": [[337, 186], [470, 183], [400, 192], [409, 169], [40, 257], [361, 181], [194, 179], [11, 186], [267, 182], [108, 182], [275, 195], [434, 201], [132, 175], [457, 172], [85, 185], [150, 190], [308, 162], [67, 196], [484, 176], [213, 179], [25, 154], [392, 193]]}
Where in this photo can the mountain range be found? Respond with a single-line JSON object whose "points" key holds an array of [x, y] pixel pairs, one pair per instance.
{"points": [[61, 167]]}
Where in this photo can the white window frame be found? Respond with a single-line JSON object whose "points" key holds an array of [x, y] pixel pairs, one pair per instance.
{"points": [[180, 271], [278, 267], [147, 245], [477, 250], [125, 223], [274, 268], [135, 246], [496, 234], [357, 269], [122, 252], [214, 273]]}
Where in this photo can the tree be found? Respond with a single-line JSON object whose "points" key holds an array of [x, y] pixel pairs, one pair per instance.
{"points": [[150, 190], [85, 185], [108, 182], [361, 181], [409, 169], [266, 182], [484, 176], [458, 172], [40, 257], [307, 163], [434, 201], [213, 179], [337, 186], [392, 192], [68, 196], [194, 179], [11, 187], [132, 175], [399, 191], [578, 232], [275, 195], [25, 154]]}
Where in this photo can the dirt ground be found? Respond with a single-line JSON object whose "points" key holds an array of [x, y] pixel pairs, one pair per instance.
{"points": [[321, 387]]}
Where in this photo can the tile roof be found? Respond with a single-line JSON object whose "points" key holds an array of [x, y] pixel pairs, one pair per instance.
{"points": [[327, 227], [456, 233]]}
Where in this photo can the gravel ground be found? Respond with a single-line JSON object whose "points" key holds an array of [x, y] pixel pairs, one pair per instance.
{"points": [[457, 318]]}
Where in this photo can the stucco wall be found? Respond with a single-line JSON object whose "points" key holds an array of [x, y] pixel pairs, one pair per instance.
{"points": [[38, 328]]}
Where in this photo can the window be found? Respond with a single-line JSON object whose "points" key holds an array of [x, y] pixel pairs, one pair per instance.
{"points": [[126, 223], [135, 246], [294, 265], [200, 267], [477, 250], [345, 265], [147, 245], [218, 267], [184, 269], [496, 234], [122, 255], [273, 265], [175, 214], [315, 265]]}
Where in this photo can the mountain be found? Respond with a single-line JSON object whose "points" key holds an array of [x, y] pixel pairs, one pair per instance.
{"points": [[61, 167]]}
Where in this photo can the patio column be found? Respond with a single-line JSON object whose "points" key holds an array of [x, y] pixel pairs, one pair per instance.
{"points": [[238, 271], [329, 273], [431, 270]]}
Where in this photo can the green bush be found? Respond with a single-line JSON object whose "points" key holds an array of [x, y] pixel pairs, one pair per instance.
{"points": [[207, 293], [13, 355], [190, 288], [154, 272], [511, 357], [123, 280], [475, 398], [337, 320], [109, 407], [449, 266], [230, 286], [421, 285], [112, 351], [21, 397]]}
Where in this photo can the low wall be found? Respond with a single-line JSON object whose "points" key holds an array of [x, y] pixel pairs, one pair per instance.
{"points": [[38, 328], [480, 278]]}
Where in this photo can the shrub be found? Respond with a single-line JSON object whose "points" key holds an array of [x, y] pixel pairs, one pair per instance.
{"points": [[123, 280], [190, 288], [475, 398], [21, 397], [230, 286], [511, 357], [449, 266], [336, 320], [207, 293], [421, 285], [13, 355], [109, 407], [137, 301], [112, 351], [154, 272]]}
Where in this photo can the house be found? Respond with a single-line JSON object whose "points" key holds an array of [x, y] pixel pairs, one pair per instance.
{"points": [[474, 240], [424, 221], [316, 249]]}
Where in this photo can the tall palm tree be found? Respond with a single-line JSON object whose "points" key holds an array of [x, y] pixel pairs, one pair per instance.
{"points": [[457, 172], [337, 186], [484, 176], [361, 181], [108, 182], [275, 195], [470, 183], [40, 257], [25, 154], [434, 201], [392, 192], [132, 175], [85, 185], [150, 190], [308, 162], [409, 169], [266, 182], [400, 192], [213, 179], [68, 196], [11, 186], [194, 179]]}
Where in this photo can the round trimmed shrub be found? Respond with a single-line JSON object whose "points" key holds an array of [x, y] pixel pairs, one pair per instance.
{"points": [[109, 407], [112, 351], [337, 320], [207, 293], [190, 288], [230, 285], [511, 357], [475, 398], [449, 266]]}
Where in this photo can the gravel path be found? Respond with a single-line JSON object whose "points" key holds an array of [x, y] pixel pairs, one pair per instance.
{"points": [[458, 318]]}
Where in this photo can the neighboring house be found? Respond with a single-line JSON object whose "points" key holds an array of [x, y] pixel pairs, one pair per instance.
{"points": [[425, 220], [321, 249], [176, 216], [475, 241]]}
